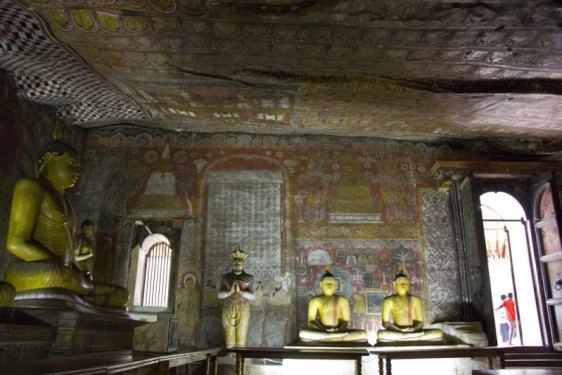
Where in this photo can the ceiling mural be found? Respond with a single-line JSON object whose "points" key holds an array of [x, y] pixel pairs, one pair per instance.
{"points": [[423, 70], [49, 73]]}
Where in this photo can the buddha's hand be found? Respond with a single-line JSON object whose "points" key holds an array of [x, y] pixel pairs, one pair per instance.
{"points": [[407, 329]]}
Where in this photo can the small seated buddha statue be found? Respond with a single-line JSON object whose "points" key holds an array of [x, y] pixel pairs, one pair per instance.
{"points": [[329, 316], [402, 316], [85, 247]]}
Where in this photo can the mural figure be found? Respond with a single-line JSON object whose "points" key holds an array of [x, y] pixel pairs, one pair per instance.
{"points": [[402, 316], [358, 305], [211, 298], [280, 295], [236, 288], [329, 315], [188, 292], [41, 232], [278, 314], [257, 302]]}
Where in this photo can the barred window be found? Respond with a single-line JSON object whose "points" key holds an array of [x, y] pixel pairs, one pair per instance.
{"points": [[153, 272]]}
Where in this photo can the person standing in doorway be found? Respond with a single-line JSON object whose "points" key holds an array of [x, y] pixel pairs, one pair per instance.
{"points": [[509, 304], [504, 324]]}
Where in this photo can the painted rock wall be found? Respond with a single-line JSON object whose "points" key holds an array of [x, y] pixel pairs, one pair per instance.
{"points": [[367, 208]]}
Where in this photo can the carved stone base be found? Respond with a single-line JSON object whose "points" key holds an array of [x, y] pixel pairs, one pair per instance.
{"points": [[159, 337], [23, 342], [78, 326]]}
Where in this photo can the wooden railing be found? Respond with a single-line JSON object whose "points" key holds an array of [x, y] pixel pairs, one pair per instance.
{"points": [[117, 362], [334, 353], [387, 354]]}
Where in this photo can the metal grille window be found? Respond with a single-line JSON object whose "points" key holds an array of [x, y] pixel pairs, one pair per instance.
{"points": [[156, 275], [153, 272]]}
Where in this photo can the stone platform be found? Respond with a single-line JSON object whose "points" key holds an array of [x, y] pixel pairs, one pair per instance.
{"points": [[64, 323]]}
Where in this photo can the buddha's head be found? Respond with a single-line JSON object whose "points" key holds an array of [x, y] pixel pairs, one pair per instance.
{"points": [[401, 284], [328, 283], [59, 164]]}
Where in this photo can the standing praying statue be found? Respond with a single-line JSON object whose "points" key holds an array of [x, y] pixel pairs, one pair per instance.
{"points": [[402, 316], [236, 288]]}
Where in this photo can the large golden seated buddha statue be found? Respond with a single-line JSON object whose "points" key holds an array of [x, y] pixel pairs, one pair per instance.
{"points": [[41, 235]]}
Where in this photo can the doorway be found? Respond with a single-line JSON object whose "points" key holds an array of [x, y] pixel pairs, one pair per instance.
{"points": [[511, 270]]}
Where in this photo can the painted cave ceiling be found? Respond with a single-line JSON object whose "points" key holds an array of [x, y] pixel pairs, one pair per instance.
{"points": [[403, 69]]}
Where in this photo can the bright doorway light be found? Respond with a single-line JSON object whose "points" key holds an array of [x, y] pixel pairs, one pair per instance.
{"points": [[510, 266]]}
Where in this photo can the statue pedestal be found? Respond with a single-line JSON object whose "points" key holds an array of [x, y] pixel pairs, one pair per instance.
{"points": [[470, 333], [78, 326], [24, 342], [159, 337]]}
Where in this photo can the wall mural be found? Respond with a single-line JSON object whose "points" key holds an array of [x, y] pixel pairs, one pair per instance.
{"points": [[440, 257], [364, 183], [364, 269], [243, 210], [365, 207]]}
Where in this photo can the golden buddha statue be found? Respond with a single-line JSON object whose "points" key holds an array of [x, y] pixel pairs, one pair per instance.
{"points": [[41, 232], [7, 293], [402, 316], [236, 288], [85, 247], [329, 315]]}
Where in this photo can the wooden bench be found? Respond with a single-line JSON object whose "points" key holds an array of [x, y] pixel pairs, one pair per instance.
{"points": [[533, 357], [117, 362], [387, 354], [324, 353]]}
